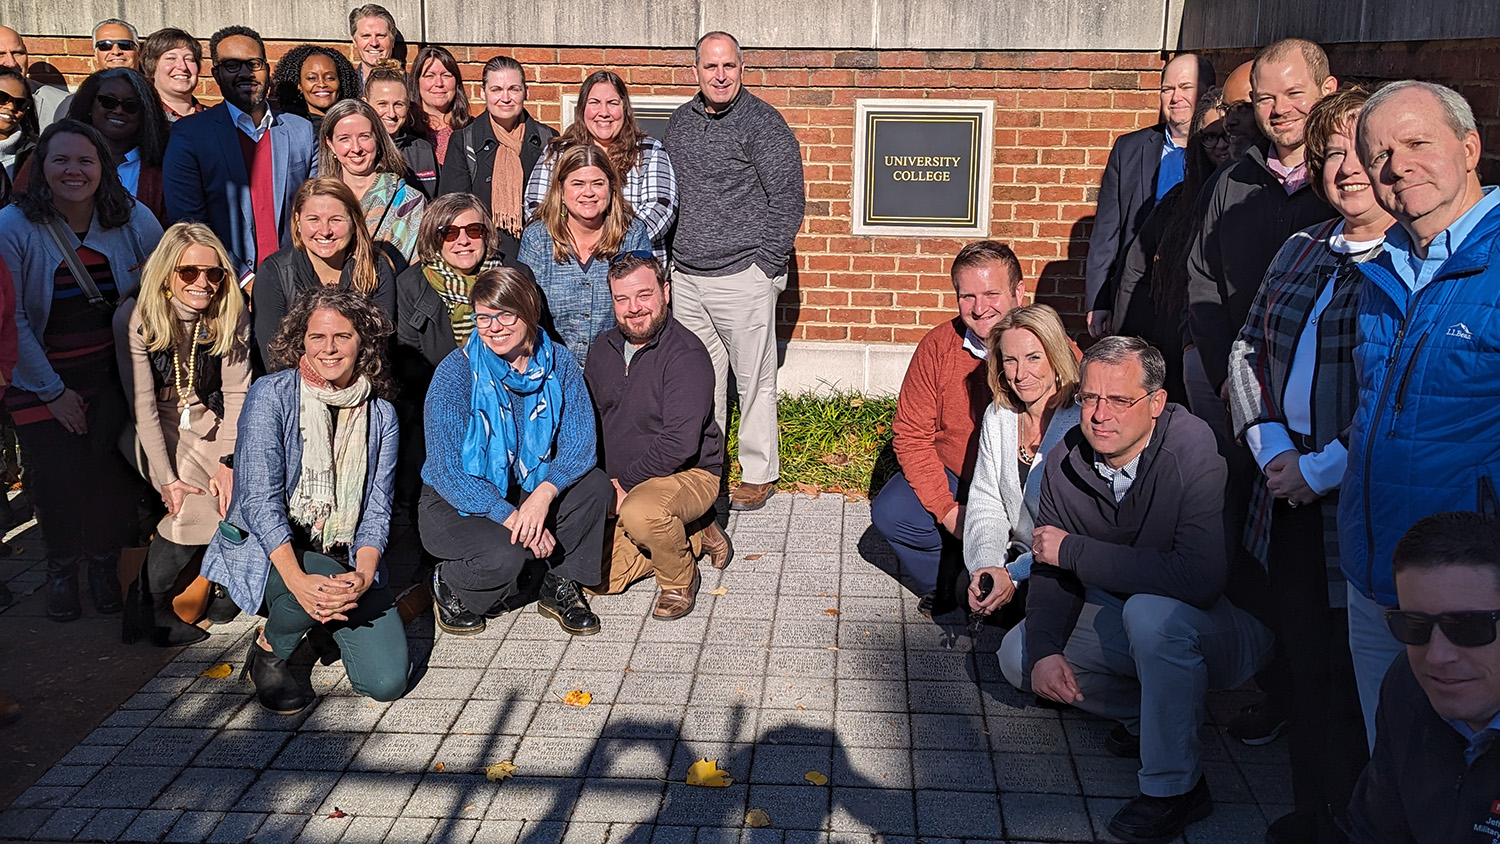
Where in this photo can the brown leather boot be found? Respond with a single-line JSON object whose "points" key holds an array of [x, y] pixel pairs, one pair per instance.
{"points": [[716, 545], [751, 496], [673, 604]]}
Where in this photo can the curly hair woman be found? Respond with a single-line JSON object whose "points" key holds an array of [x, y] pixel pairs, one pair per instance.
{"points": [[310, 78], [304, 539]]}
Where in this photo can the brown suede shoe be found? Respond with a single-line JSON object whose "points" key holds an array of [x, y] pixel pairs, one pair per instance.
{"points": [[716, 545], [673, 604], [751, 496]]}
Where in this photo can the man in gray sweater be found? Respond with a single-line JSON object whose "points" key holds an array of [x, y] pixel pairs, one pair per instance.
{"points": [[739, 177]]}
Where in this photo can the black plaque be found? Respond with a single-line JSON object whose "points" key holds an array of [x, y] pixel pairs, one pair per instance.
{"points": [[922, 170], [653, 119]]}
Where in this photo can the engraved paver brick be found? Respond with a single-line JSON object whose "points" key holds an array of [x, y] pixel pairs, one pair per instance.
{"points": [[386, 752], [447, 683], [198, 788], [877, 767], [164, 746], [495, 716], [369, 793], [279, 829], [801, 662], [873, 810], [957, 814], [550, 756], [623, 801], [107, 824], [450, 795], [539, 799], [512, 684], [798, 692], [1050, 817], [1045, 774], [873, 729], [725, 690], [474, 752], [198, 710], [957, 770], [788, 764], [631, 758], [792, 807], [652, 688], [242, 749], [124, 787], [287, 791], [151, 825], [194, 827], [345, 714], [414, 715], [64, 824], [319, 751], [235, 827]]}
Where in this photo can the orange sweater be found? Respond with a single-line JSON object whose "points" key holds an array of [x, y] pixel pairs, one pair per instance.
{"points": [[942, 402]]}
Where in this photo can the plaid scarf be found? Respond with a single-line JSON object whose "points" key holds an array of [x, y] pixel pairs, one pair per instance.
{"points": [[331, 487], [453, 287]]}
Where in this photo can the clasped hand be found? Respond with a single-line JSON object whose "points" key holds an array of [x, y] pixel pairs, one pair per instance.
{"points": [[528, 524], [1284, 478], [330, 597]]}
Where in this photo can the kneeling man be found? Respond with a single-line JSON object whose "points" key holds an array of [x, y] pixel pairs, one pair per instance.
{"points": [[652, 382], [1126, 617]]}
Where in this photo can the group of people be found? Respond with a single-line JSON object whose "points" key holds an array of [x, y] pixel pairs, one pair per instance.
{"points": [[341, 296], [1274, 461], [385, 302]]}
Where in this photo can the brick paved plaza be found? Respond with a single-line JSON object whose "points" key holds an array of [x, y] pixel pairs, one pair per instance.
{"points": [[812, 659]]}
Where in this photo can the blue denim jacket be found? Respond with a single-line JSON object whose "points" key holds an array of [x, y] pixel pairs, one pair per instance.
{"points": [[267, 466]]}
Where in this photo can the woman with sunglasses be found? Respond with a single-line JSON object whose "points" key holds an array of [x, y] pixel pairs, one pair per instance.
{"points": [[604, 117], [310, 78], [354, 146], [74, 242], [385, 91], [1293, 392], [512, 490], [123, 106], [186, 343], [582, 224], [436, 87], [18, 126], [331, 247]]}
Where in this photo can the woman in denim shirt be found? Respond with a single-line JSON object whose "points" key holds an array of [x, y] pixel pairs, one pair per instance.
{"points": [[315, 464], [582, 224]]}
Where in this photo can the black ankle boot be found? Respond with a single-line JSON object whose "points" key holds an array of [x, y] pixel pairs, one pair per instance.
{"points": [[563, 600], [158, 581], [452, 616], [104, 583], [275, 687], [62, 588]]}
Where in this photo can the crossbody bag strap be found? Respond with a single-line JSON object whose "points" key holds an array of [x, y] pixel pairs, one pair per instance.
{"points": [[75, 266]]}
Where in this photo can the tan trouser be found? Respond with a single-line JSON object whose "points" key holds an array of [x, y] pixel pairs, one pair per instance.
{"points": [[651, 531]]}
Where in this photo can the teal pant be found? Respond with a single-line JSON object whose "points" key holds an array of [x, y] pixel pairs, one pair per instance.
{"points": [[373, 641]]}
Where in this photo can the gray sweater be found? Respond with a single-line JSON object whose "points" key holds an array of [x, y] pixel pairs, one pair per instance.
{"points": [[739, 179]]}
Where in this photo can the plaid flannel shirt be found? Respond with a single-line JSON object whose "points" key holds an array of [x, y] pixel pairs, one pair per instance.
{"points": [[650, 188], [1261, 361]]}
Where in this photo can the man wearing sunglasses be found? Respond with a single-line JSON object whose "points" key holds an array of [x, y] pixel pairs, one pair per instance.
{"points": [[1127, 616], [1435, 773], [237, 165], [116, 44]]}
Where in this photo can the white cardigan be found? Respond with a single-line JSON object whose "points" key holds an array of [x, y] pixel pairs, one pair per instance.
{"points": [[999, 510]]}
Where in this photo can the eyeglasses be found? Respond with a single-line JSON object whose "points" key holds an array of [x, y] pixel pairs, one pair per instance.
{"points": [[475, 231], [234, 66], [1213, 139], [19, 104], [112, 44], [484, 321], [189, 274], [638, 254], [1464, 629], [109, 103], [1117, 404]]}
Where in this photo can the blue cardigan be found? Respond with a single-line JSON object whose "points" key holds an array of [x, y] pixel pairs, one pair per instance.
{"points": [[447, 419], [267, 466]]}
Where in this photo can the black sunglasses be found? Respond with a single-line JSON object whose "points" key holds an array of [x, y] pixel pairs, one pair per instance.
{"points": [[109, 103], [234, 66], [108, 45], [1464, 629], [189, 274], [475, 231], [20, 103], [638, 254]]}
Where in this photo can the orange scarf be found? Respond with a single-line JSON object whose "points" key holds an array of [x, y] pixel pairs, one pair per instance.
{"points": [[508, 182]]}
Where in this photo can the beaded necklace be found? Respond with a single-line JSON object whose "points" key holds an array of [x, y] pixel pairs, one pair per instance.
{"points": [[184, 421]]}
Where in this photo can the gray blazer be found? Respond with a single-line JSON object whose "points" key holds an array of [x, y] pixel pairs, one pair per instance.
{"points": [[267, 466]]}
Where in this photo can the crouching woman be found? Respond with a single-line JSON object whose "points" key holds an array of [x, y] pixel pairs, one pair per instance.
{"points": [[315, 463]]}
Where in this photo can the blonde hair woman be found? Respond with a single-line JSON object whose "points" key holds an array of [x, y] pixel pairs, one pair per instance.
{"points": [[184, 341], [1033, 374]]}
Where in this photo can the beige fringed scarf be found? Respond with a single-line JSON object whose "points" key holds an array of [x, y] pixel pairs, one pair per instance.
{"points": [[507, 181], [330, 491]]}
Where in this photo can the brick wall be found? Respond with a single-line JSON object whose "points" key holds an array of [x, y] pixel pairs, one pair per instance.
{"points": [[1056, 116]]}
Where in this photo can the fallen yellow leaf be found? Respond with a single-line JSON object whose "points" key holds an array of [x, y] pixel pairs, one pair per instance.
{"points": [[757, 818], [816, 778], [439, 767], [500, 771], [719, 591], [218, 672], [831, 611], [707, 773], [577, 698]]}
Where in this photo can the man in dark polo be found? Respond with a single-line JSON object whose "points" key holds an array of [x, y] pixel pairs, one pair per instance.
{"points": [[652, 382]]}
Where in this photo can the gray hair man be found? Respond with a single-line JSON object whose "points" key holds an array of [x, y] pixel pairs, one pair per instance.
{"points": [[116, 44]]}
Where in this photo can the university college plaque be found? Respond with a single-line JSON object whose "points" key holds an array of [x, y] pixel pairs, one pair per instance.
{"points": [[923, 167]]}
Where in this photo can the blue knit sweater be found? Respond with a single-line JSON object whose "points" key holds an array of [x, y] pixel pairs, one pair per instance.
{"points": [[447, 418]]}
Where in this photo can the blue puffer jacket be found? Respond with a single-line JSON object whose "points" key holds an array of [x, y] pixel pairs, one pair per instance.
{"points": [[1426, 436]]}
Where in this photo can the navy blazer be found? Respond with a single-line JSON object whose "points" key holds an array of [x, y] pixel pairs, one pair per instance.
{"points": [[204, 177], [1126, 195]]}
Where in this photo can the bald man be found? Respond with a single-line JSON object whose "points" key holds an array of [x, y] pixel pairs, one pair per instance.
{"points": [[50, 100], [1142, 167]]}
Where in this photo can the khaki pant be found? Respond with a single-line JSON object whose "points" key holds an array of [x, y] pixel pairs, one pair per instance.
{"points": [[735, 317], [651, 531]]}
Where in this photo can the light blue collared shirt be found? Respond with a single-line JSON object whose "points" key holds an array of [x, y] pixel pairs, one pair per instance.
{"points": [[1417, 272], [975, 344], [244, 123], [1478, 742], [1120, 479]]}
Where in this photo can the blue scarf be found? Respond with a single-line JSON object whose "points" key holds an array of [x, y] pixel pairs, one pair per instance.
{"points": [[490, 448]]}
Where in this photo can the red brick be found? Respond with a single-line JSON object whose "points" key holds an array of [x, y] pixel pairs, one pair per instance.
{"points": [[823, 332], [912, 335], [874, 263], [564, 74], [809, 58], [924, 78], [870, 334], [877, 78], [581, 55], [871, 298], [810, 96], [949, 59], [902, 58], [1064, 156], [834, 298], [972, 79]]}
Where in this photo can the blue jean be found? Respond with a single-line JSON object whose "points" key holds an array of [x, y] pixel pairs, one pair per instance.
{"points": [[1374, 649], [913, 533], [1149, 663], [372, 641]]}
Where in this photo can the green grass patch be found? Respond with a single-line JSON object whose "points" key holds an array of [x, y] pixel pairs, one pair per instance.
{"points": [[829, 443]]}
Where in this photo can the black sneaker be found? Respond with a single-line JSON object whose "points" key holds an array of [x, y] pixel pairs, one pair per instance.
{"points": [[1158, 820], [452, 616], [563, 600], [1122, 743], [1258, 724]]}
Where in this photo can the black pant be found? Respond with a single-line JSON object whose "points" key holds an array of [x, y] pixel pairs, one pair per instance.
{"points": [[483, 567], [1326, 738]]}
